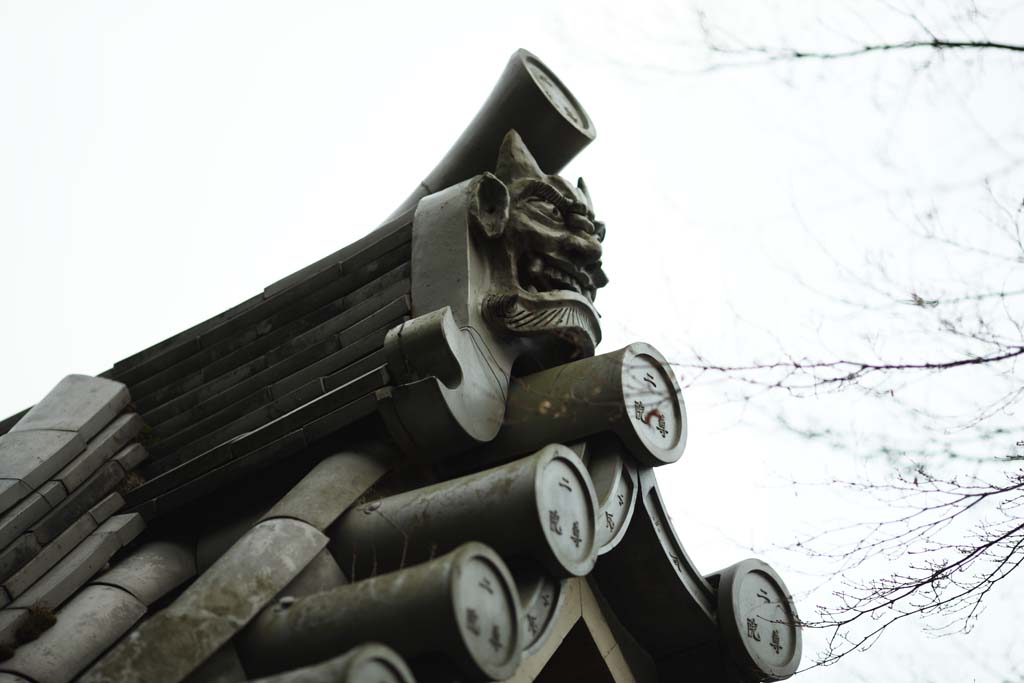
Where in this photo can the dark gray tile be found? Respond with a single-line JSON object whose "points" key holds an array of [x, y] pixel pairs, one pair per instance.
{"points": [[266, 326], [49, 556], [79, 403], [100, 449], [243, 464], [21, 517], [33, 457], [397, 231], [18, 554], [7, 423], [79, 502]]}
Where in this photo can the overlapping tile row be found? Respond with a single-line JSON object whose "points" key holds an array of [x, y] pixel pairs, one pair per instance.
{"points": [[279, 603], [65, 465], [470, 578], [445, 514], [267, 558], [158, 357], [246, 390]]}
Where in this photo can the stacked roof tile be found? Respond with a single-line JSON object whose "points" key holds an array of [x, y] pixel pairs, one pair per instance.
{"points": [[336, 481]]}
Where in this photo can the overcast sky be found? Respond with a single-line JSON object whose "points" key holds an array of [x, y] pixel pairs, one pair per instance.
{"points": [[162, 161]]}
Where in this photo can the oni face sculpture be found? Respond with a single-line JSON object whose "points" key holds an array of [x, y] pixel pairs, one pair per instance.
{"points": [[545, 253]]}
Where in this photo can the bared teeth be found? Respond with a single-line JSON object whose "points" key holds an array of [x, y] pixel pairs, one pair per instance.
{"points": [[542, 275]]}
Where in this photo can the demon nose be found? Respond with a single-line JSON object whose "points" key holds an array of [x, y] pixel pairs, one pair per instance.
{"points": [[578, 223]]}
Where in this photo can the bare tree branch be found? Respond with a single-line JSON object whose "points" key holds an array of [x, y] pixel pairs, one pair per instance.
{"points": [[953, 330], [784, 53]]}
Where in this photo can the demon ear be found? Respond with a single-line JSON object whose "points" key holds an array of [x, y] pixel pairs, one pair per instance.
{"points": [[586, 195], [515, 161], [488, 207]]}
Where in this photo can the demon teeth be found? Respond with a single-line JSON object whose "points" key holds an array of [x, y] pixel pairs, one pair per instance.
{"points": [[542, 275]]}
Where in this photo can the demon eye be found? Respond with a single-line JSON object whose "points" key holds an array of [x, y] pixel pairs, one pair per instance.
{"points": [[547, 208]]}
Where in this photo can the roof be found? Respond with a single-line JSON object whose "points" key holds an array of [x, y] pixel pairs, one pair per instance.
{"points": [[397, 462]]}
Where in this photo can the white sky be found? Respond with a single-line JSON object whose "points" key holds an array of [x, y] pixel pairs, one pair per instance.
{"points": [[162, 161]]}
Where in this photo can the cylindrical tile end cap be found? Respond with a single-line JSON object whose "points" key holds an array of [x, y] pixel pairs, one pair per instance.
{"points": [[758, 621], [654, 404], [487, 610], [567, 505]]}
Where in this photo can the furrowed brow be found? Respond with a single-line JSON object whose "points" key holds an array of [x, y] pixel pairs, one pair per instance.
{"points": [[547, 192]]}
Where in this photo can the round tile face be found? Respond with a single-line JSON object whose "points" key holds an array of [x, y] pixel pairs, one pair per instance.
{"points": [[486, 612], [653, 404], [614, 515], [540, 612], [557, 93], [765, 623], [567, 514]]}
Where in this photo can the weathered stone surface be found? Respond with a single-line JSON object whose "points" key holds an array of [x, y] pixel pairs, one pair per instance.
{"points": [[321, 574], [61, 582], [33, 457], [46, 558], [124, 527], [369, 663], [100, 449], [360, 319], [152, 571], [447, 394], [131, 457], [243, 463], [222, 667], [288, 336], [54, 492], [541, 507], [217, 390], [306, 414], [175, 641], [12, 678], [11, 492], [79, 403], [90, 623], [357, 369], [162, 479], [631, 392], [102, 510], [191, 436], [339, 418], [211, 545], [197, 439], [79, 502], [462, 605], [19, 519], [342, 358], [17, 555], [272, 441], [334, 484], [10, 620]]}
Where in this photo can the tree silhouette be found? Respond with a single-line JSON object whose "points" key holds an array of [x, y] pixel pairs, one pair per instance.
{"points": [[956, 495]]}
